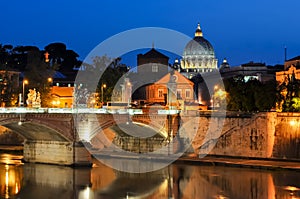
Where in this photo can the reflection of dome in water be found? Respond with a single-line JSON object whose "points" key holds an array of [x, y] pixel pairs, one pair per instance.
{"points": [[198, 55]]}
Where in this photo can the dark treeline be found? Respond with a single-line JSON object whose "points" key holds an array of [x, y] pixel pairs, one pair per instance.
{"points": [[20, 57], [251, 95]]}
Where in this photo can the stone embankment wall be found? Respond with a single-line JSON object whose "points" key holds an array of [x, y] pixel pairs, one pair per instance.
{"points": [[260, 135], [287, 136]]}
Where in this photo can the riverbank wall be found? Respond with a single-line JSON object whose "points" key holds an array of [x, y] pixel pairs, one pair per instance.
{"points": [[258, 135]]}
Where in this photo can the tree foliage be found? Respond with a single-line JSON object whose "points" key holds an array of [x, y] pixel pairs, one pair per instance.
{"points": [[250, 95], [111, 71], [288, 94], [61, 58]]}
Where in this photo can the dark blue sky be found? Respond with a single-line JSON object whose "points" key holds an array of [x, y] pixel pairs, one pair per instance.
{"points": [[239, 30]]}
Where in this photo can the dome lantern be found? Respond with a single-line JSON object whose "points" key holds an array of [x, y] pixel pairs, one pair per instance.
{"points": [[198, 32]]}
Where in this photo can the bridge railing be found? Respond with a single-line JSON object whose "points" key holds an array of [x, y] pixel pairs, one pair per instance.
{"points": [[130, 111], [68, 110]]}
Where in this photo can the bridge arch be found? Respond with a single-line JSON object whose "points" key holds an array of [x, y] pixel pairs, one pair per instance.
{"points": [[139, 129], [33, 131], [39, 127], [106, 134]]}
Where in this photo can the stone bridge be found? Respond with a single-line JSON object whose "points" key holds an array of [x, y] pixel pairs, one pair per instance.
{"points": [[58, 138]]}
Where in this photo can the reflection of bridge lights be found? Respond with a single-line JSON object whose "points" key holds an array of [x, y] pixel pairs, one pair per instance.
{"points": [[6, 181], [10, 175], [11, 182], [291, 188], [221, 197], [86, 193], [17, 188]]}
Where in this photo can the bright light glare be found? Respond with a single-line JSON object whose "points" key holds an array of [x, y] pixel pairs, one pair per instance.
{"points": [[292, 122]]}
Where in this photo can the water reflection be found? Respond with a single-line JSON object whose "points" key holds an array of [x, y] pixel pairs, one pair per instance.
{"points": [[203, 182], [11, 174], [10, 180], [176, 181]]}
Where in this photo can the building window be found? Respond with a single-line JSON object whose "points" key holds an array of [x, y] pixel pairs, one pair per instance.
{"points": [[154, 68], [160, 93], [179, 94], [187, 93]]}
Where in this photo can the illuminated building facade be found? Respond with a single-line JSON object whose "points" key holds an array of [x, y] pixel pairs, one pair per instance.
{"points": [[251, 70], [62, 97], [184, 91]]}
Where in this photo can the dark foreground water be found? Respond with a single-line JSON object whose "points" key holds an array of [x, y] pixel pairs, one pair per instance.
{"points": [[41, 181]]}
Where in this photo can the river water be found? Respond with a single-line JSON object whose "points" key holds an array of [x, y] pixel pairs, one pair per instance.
{"points": [[31, 181]]}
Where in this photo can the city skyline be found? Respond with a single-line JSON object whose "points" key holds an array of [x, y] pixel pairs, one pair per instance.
{"points": [[240, 31]]}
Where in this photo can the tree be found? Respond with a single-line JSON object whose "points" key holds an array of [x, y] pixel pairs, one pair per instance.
{"points": [[251, 95], [37, 73], [265, 96], [295, 107], [112, 70], [288, 93], [56, 52], [62, 59]]}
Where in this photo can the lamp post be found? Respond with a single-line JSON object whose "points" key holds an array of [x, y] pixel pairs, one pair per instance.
{"points": [[24, 83], [102, 87]]}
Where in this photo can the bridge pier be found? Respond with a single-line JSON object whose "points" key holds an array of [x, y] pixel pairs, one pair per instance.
{"points": [[56, 152]]}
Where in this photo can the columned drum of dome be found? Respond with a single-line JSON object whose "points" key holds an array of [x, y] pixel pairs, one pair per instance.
{"points": [[198, 56]]}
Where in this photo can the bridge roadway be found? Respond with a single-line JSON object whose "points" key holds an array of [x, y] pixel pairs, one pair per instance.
{"points": [[56, 135]]}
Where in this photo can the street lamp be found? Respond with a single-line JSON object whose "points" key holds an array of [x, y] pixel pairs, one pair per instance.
{"points": [[50, 79], [103, 86], [24, 82]]}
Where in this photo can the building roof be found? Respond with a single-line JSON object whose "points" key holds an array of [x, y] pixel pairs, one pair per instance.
{"points": [[179, 79], [153, 54], [294, 59], [251, 63]]}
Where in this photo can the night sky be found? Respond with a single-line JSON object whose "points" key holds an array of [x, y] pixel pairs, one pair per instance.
{"points": [[241, 31]]}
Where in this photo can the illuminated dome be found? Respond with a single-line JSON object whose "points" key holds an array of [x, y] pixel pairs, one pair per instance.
{"points": [[198, 46], [198, 56]]}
